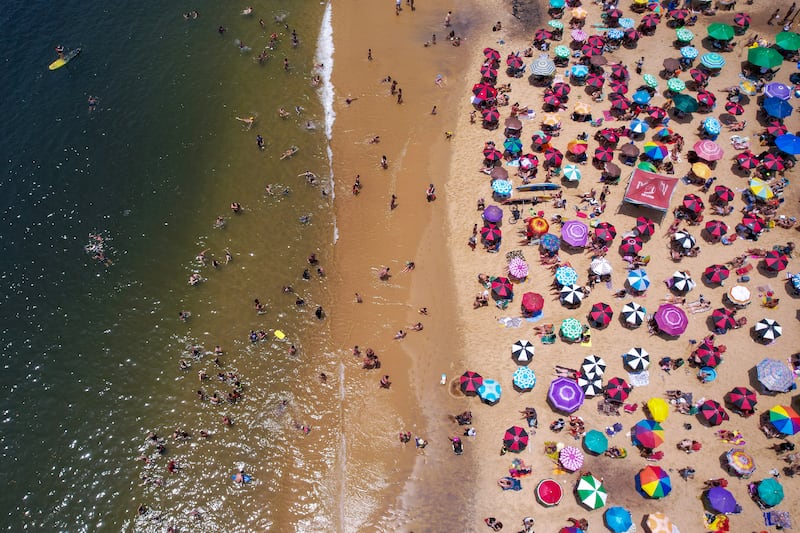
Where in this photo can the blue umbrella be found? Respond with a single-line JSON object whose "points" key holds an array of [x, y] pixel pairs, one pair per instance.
{"points": [[524, 378], [566, 276], [712, 126], [712, 60], [557, 4], [618, 519], [580, 71], [615, 34], [638, 280], [626, 23], [550, 242], [641, 97], [775, 107], [788, 143], [502, 187], [490, 391], [689, 52], [638, 126]]}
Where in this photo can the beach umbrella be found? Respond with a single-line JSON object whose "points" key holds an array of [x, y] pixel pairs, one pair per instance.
{"points": [[575, 233], [515, 439], [571, 173], [524, 378], [645, 227], [739, 295], [513, 145], [679, 14], [742, 19], [621, 104], [629, 150], [650, 20], [784, 419], [788, 143], [538, 226], [619, 71], [658, 409], [627, 23], [681, 281], [720, 31], [601, 314], [747, 160], [557, 4], [593, 366], [518, 268], [774, 375], [553, 157], [630, 33], [566, 276], [617, 86], [689, 52], [778, 90], [767, 329], [491, 233], [543, 66], [637, 359], [708, 354], [653, 481], [618, 519], [650, 80], [493, 214], [491, 115], [542, 35], [502, 288], [716, 228], [595, 80], [565, 395], [684, 35], [656, 113], [676, 85], [490, 391], [556, 24], [721, 500], [571, 329], [582, 108], [528, 161], [498, 173], [604, 153], [492, 155], [609, 135], [655, 150], [502, 187], [638, 280], [788, 40], [647, 166], [713, 412], [772, 162], [591, 387], [595, 441], [549, 492], [685, 103], [591, 492], [552, 100], [712, 60], [605, 231], [600, 266], [514, 61], [578, 35], [470, 382], [693, 203], [770, 492], [614, 13], [776, 128], [671, 319], [710, 124], [647, 433], [532, 302], [491, 54], [485, 93], [742, 399], [617, 389], [716, 273], [571, 295], [684, 240], [638, 126], [551, 243], [659, 523], [641, 97], [723, 194], [591, 51], [734, 108], [522, 351], [596, 40], [577, 147], [571, 458], [740, 462], [775, 261], [764, 57], [561, 89], [540, 138], [775, 107], [633, 314], [722, 319], [615, 34], [487, 71], [753, 222]]}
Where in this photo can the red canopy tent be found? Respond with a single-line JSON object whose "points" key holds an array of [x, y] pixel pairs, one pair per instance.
{"points": [[649, 189]]}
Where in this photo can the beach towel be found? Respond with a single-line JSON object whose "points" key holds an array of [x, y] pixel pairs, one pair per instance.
{"points": [[639, 379], [588, 343], [510, 322], [607, 116]]}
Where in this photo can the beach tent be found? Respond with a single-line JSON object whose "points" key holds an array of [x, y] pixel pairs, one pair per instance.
{"points": [[650, 189]]}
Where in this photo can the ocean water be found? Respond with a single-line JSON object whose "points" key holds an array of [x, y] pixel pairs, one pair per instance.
{"points": [[91, 348]]}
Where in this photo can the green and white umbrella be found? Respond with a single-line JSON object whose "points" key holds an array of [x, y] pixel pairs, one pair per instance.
{"points": [[676, 85], [556, 24], [572, 173], [571, 329], [591, 492], [562, 51], [684, 35], [650, 80]]}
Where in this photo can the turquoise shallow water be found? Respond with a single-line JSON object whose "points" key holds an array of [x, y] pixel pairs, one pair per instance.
{"points": [[91, 351]]}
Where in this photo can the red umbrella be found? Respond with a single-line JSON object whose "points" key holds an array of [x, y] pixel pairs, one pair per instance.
{"points": [[753, 223], [698, 76], [650, 20], [554, 157], [706, 98], [645, 227], [656, 113], [605, 231], [743, 399], [561, 89], [723, 194], [485, 93], [632, 35], [747, 160], [488, 72], [708, 354], [775, 261], [601, 314], [603, 153], [532, 302], [515, 439], [772, 162], [595, 80], [716, 273], [713, 412], [502, 288], [542, 35], [776, 128], [598, 41], [492, 155], [514, 61], [577, 147], [679, 14], [491, 54], [618, 86], [609, 135], [540, 139], [693, 203], [630, 246], [589, 50], [470, 382], [529, 159], [742, 19], [614, 13], [734, 108], [617, 389], [622, 104], [490, 115], [552, 100], [491, 233], [716, 228], [619, 71], [722, 319]]}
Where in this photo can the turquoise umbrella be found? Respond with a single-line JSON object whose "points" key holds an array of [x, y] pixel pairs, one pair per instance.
{"points": [[557, 4], [524, 378], [712, 60], [513, 145], [572, 173], [490, 391], [685, 103], [595, 441], [689, 52], [684, 35], [676, 85], [770, 492], [571, 329], [618, 519], [556, 24], [562, 51], [650, 80]]}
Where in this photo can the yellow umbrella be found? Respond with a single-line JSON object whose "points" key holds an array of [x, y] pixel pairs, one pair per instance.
{"points": [[579, 13], [761, 189], [701, 170], [658, 409], [582, 108], [551, 120], [659, 523], [577, 147], [640, 2]]}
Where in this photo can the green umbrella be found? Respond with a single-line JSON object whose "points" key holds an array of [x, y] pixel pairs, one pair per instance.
{"points": [[720, 31], [770, 492], [650, 80], [685, 103], [571, 329], [684, 35], [562, 51], [556, 24], [595, 441], [675, 85], [647, 166], [788, 40], [591, 492], [764, 57]]}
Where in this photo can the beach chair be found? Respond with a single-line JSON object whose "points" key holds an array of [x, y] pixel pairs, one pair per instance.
{"points": [[744, 269], [550, 338]]}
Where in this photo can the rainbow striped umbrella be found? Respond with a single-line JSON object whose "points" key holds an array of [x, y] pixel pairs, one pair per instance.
{"points": [[784, 419], [654, 482]]}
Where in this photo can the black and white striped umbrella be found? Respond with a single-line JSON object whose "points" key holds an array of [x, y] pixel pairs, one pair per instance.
{"points": [[522, 352], [767, 329], [637, 359], [633, 314], [684, 240], [593, 366], [682, 282], [591, 386], [571, 295]]}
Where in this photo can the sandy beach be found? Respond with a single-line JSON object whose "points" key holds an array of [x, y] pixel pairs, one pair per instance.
{"points": [[419, 491]]}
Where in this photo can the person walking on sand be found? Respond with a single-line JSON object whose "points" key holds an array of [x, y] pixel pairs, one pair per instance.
{"points": [[393, 203], [775, 16], [399, 95], [448, 19], [430, 193]]}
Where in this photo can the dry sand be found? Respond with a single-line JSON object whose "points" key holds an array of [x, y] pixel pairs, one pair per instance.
{"points": [[388, 486]]}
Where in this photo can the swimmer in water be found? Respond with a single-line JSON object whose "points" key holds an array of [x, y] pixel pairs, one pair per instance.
{"points": [[247, 120], [93, 101]]}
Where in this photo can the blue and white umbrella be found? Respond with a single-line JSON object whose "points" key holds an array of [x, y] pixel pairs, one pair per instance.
{"points": [[524, 378], [572, 173], [641, 97], [712, 126], [543, 66], [490, 391], [580, 71], [689, 52], [615, 34], [626, 23], [502, 187], [638, 280], [712, 60], [566, 276], [638, 126]]}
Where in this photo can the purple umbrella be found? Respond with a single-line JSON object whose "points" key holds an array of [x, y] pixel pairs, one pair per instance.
{"points": [[721, 500], [671, 319], [778, 90], [575, 233], [493, 214], [565, 395]]}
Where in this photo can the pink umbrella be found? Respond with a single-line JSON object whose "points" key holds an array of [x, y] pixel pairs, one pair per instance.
{"points": [[671, 319], [571, 458], [575, 233], [708, 150], [518, 268], [578, 35]]}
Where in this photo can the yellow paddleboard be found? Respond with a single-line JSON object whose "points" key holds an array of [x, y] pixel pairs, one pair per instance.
{"points": [[60, 62]]}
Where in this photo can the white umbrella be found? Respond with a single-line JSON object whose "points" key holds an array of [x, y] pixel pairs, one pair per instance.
{"points": [[591, 386], [685, 240], [682, 282], [600, 266], [633, 314], [593, 366], [571, 294], [637, 359], [767, 329], [522, 351]]}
